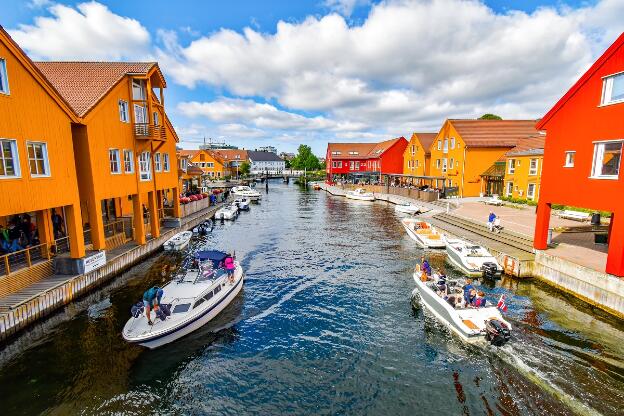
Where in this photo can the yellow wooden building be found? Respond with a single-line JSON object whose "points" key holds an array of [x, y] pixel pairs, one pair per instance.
{"points": [[210, 162], [417, 154], [523, 171]]}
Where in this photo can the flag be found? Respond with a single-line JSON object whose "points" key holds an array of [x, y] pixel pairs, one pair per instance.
{"points": [[501, 304]]}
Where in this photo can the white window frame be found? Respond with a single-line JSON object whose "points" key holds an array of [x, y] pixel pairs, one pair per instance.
{"points": [[413, 150], [444, 165], [155, 118], [533, 170], [446, 145], [509, 189], [511, 166], [531, 195], [599, 153], [210, 165], [166, 165], [139, 84], [607, 89], [452, 144], [451, 163], [128, 159], [124, 111], [439, 144], [111, 160], [46, 161], [157, 164], [569, 158], [416, 162], [438, 163], [145, 166], [14, 157], [4, 78]]}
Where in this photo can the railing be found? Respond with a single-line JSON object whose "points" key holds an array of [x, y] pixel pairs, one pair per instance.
{"points": [[149, 131], [113, 228], [62, 245], [23, 258]]}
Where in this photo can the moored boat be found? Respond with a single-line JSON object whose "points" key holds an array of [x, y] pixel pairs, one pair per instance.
{"points": [[247, 192], [204, 228], [360, 195], [471, 324], [471, 258], [227, 212], [242, 203], [193, 298], [178, 242], [423, 233], [409, 208]]}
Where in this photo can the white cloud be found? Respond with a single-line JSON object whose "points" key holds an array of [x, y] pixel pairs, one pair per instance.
{"points": [[345, 7], [88, 32]]}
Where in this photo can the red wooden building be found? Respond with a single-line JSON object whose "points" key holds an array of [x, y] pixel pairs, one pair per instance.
{"points": [[583, 152], [352, 160]]}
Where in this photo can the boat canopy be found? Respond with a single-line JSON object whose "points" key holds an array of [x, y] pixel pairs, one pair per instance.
{"points": [[216, 256]]}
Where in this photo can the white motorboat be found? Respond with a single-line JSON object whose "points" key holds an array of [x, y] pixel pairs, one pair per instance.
{"points": [[361, 195], [247, 192], [192, 299], [409, 208], [228, 212], [204, 228], [242, 203], [471, 258], [484, 324], [423, 233], [178, 242]]}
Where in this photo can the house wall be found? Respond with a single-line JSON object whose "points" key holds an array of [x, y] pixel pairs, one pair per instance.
{"points": [[217, 170], [414, 152], [453, 173], [392, 158], [521, 177], [478, 160]]}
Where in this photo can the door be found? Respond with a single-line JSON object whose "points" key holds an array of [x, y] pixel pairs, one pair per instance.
{"points": [[140, 120]]}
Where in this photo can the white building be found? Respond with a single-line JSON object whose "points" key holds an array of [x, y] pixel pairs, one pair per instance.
{"points": [[265, 162], [270, 149]]}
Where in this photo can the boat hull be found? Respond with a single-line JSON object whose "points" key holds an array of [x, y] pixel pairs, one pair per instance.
{"points": [[474, 270], [412, 210], [422, 240], [360, 197]]}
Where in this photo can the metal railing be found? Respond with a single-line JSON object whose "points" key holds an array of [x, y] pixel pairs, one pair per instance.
{"points": [[149, 131], [23, 258]]}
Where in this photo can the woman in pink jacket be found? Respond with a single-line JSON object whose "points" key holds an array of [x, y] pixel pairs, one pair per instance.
{"points": [[229, 265]]}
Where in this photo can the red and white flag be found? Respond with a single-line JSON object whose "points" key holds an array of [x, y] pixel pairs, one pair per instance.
{"points": [[501, 304]]}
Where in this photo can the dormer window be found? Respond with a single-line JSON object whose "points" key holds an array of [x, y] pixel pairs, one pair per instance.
{"points": [[336, 153], [4, 80], [354, 153], [613, 89]]}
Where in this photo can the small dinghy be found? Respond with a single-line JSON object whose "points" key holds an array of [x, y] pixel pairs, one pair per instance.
{"points": [[178, 242], [445, 301], [360, 195], [242, 203], [192, 299], [472, 259], [409, 208], [423, 233], [204, 228], [228, 212]]}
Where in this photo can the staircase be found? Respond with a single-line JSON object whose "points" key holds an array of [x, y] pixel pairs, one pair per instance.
{"points": [[442, 203], [510, 238]]}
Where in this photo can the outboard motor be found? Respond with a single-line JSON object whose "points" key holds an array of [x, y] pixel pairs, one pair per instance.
{"points": [[497, 332], [490, 270]]}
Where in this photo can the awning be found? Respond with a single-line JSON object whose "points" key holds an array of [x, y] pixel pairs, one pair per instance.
{"points": [[496, 171]]}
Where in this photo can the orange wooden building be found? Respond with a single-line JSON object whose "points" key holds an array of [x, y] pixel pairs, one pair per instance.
{"points": [[417, 155]]}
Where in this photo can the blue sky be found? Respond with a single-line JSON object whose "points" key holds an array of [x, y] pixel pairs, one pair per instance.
{"points": [[288, 72]]}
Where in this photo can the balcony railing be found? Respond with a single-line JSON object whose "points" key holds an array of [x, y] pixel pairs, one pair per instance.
{"points": [[149, 131], [23, 258]]}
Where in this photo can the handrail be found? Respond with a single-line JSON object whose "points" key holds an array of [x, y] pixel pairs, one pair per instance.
{"points": [[24, 257], [147, 130]]}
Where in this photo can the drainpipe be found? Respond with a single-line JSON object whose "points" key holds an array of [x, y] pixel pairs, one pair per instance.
{"points": [[461, 194]]}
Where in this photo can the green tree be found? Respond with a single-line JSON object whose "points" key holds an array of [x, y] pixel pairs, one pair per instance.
{"points": [[244, 168], [287, 164], [489, 116], [305, 159]]}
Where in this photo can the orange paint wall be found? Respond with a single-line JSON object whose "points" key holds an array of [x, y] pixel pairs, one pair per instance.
{"points": [[410, 157]]}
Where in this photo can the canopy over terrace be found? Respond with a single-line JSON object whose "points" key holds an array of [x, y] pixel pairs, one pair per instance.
{"points": [[419, 180], [492, 179]]}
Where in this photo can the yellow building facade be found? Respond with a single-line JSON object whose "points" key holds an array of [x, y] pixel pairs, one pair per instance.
{"points": [[416, 157], [523, 171]]}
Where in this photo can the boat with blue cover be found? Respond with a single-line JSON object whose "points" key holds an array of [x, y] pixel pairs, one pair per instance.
{"points": [[194, 297]]}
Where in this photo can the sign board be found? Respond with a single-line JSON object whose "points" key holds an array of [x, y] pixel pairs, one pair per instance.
{"points": [[94, 262]]}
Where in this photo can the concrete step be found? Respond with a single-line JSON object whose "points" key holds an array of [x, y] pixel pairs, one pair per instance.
{"points": [[442, 203], [507, 237]]}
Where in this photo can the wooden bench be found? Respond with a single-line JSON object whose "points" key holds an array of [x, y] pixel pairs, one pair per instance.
{"points": [[574, 215]]}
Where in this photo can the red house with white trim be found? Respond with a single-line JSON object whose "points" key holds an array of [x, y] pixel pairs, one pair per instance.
{"points": [[365, 159], [583, 152]]}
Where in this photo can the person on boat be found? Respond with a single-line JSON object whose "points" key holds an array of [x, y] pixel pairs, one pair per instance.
{"points": [[425, 265], [468, 287], [479, 300], [490, 221], [229, 265], [151, 300]]}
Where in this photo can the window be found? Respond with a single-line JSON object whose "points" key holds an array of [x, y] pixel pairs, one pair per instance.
{"points": [[357, 165], [157, 166], [438, 163], [123, 111], [9, 160], [199, 302], [351, 165], [336, 153], [512, 166], [217, 289], [451, 163], [184, 164], [509, 189], [446, 145], [210, 164], [417, 163], [38, 159], [439, 144], [452, 142], [166, 162], [336, 164], [128, 161], [533, 167], [569, 159], [607, 156], [613, 89], [113, 158], [4, 80], [181, 308], [155, 116], [145, 166], [354, 153], [413, 149], [444, 165], [138, 89], [531, 191]]}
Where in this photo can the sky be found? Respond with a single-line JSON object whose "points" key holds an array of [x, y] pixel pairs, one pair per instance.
{"points": [[282, 73]]}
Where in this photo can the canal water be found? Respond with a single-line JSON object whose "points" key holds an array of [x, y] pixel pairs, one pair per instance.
{"points": [[324, 325]]}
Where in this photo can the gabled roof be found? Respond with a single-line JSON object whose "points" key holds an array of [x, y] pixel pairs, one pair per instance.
{"points": [[494, 133], [529, 146], [590, 72], [32, 68], [363, 150], [231, 154], [426, 139], [264, 156], [84, 84], [188, 153]]}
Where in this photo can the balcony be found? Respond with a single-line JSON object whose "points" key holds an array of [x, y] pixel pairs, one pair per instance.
{"points": [[146, 131]]}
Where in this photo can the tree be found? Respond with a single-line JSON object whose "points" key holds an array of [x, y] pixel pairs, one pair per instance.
{"points": [[287, 164], [244, 168], [489, 116], [305, 159]]}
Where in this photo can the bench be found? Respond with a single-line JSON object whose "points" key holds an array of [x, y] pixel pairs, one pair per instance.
{"points": [[575, 215], [494, 200]]}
